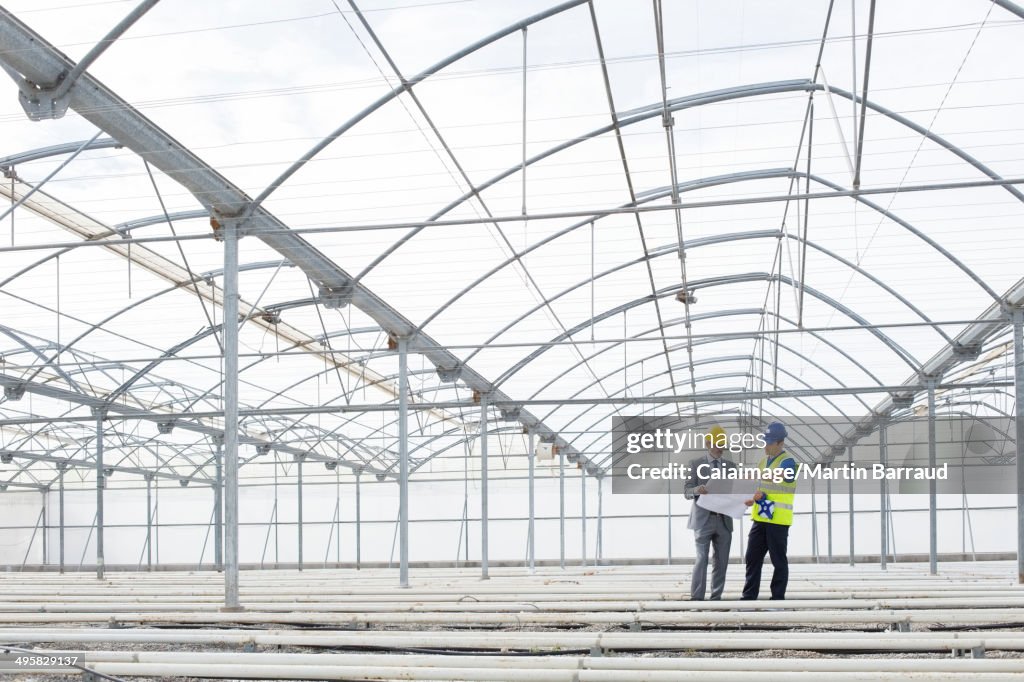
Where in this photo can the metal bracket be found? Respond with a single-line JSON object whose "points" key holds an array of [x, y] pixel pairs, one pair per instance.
{"points": [[14, 393], [6, 457], [334, 298], [263, 449], [510, 414], [902, 400], [39, 102], [271, 317], [331, 466], [218, 224], [297, 456], [165, 428], [967, 352], [449, 376]]}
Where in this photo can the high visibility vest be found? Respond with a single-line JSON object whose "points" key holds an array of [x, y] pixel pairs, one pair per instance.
{"points": [[777, 505]]}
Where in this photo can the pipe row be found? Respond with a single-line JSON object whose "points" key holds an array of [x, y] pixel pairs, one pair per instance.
{"points": [[551, 663], [526, 641]]}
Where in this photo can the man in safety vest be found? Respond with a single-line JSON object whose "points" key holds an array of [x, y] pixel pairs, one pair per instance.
{"points": [[771, 510]]}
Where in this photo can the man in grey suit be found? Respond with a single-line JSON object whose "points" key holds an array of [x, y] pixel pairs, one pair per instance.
{"points": [[709, 527]]}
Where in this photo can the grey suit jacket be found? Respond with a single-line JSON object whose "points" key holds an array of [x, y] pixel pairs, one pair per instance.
{"points": [[699, 515]]}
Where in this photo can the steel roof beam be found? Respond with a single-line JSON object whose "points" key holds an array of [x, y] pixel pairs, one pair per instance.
{"points": [[83, 464], [39, 61], [183, 420]]}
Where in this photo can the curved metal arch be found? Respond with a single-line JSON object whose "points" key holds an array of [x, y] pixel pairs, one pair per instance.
{"points": [[712, 181], [404, 86], [589, 456], [715, 360], [114, 315], [127, 443], [722, 313], [710, 399], [14, 336], [700, 99], [718, 239], [713, 281], [605, 455], [745, 374], [466, 437], [169, 353], [130, 225], [58, 150], [683, 187], [707, 315]]}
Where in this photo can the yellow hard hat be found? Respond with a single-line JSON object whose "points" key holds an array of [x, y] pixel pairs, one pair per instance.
{"points": [[718, 437]]}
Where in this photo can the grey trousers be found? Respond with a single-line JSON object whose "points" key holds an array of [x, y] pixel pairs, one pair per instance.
{"points": [[714, 533]]}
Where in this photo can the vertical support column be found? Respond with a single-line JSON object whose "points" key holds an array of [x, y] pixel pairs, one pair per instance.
{"points": [[668, 520], [359, 519], [60, 513], [403, 462], [299, 460], [337, 521], [933, 537], [814, 524], [100, 484], [1017, 317], [156, 520], [531, 543], [149, 522], [583, 514], [46, 523], [561, 510], [483, 487], [849, 450], [828, 517], [218, 503], [599, 553], [230, 235], [883, 459]]}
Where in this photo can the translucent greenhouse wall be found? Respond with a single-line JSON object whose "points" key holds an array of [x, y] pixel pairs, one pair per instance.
{"points": [[634, 526]]}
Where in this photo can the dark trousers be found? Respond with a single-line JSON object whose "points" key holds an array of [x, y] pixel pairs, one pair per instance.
{"points": [[767, 538]]}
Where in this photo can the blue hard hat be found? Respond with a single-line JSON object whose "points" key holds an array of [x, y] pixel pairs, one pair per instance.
{"points": [[774, 433]]}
